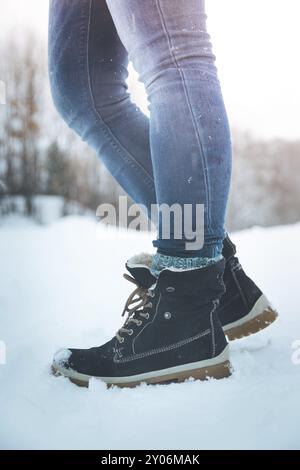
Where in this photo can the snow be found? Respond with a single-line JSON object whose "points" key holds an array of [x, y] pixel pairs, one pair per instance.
{"points": [[62, 286]]}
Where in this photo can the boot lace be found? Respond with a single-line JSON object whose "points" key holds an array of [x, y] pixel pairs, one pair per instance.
{"points": [[136, 304]]}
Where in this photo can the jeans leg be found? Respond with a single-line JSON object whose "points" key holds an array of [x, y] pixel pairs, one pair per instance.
{"points": [[88, 72], [168, 43]]}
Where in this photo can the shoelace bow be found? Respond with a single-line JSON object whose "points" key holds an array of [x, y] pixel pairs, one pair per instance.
{"points": [[136, 303]]}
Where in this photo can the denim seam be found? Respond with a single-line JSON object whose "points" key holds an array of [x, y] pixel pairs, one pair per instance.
{"points": [[225, 304], [206, 179], [126, 156], [245, 302], [163, 349]]}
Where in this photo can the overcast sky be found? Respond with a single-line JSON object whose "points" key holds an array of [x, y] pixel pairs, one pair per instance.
{"points": [[257, 47]]}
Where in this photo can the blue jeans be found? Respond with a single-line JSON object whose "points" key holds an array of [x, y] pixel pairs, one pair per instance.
{"points": [[182, 154]]}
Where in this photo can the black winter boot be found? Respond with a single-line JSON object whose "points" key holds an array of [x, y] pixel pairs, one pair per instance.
{"points": [[171, 333], [243, 309]]}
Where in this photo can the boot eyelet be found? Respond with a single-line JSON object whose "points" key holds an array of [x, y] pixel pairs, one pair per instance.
{"points": [[122, 340], [150, 305], [170, 289], [167, 315], [130, 332], [147, 316], [139, 323]]}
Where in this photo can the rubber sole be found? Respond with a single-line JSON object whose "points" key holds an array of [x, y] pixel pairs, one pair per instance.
{"points": [[217, 368], [261, 316]]}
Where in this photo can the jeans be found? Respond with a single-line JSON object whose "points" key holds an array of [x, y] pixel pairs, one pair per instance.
{"points": [[182, 154]]}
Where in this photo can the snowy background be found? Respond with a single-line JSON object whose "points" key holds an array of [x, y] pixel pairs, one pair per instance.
{"points": [[62, 285]]}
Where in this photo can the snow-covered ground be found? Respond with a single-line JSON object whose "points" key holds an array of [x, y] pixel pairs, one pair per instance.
{"points": [[62, 285]]}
